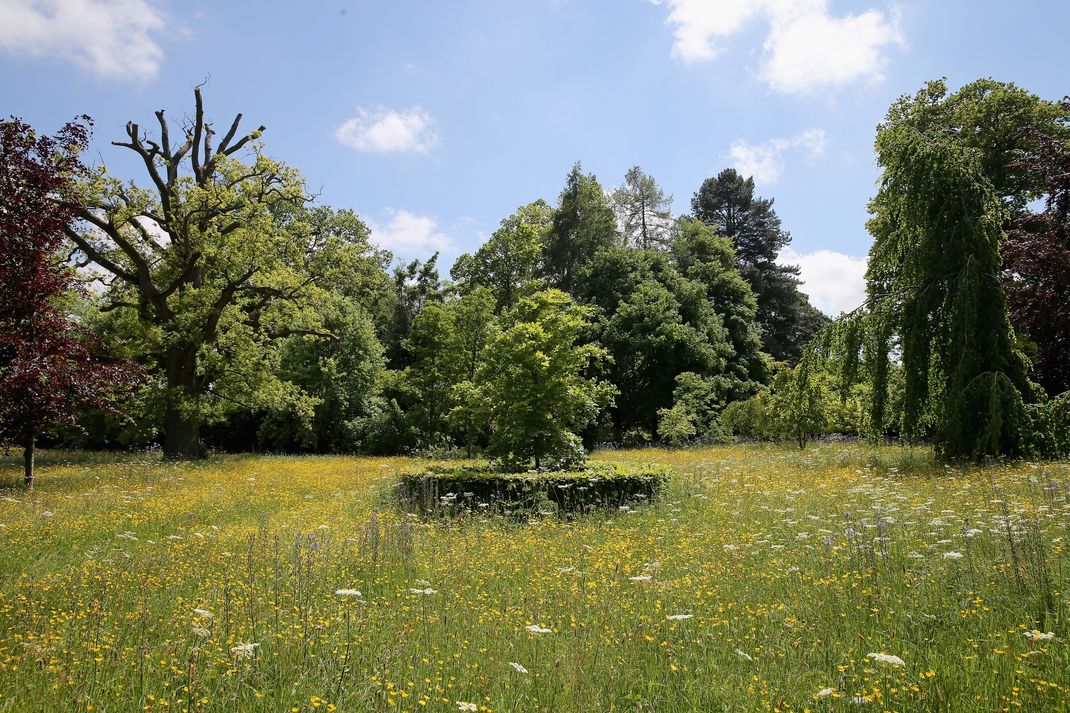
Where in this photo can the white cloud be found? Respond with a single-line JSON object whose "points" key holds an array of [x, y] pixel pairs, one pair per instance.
{"points": [[834, 281], [383, 130], [806, 48], [111, 38], [765, 161], [409, 235]]}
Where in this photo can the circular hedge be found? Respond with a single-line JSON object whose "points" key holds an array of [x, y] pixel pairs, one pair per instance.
{"points": [[454, 489]]}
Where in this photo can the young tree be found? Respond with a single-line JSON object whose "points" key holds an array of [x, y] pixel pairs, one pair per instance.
{"points": [[535, 384], [1037, 261], [50, 367], [213, 265], [643, 210], [583, 224], [728, 204]]}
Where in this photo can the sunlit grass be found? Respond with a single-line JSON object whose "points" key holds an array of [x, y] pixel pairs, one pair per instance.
{"points": [[763, 580]]}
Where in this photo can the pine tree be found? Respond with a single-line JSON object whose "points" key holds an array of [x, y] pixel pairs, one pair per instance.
{"points": [[727, 202]]}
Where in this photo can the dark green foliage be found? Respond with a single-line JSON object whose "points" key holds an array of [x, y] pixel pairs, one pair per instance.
{"points": [[1050, 427], [342, 375], [989, 119], [705, 257], [583, 225], [728, 204], [934, 294], [484, 488], [656, 324]]}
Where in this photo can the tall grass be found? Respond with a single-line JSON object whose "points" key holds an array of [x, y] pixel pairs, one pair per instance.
{"points": [[763, 580]]}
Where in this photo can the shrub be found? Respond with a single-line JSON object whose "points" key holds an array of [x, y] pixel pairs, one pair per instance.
{"points": [[450, 490], [1050, 427]]}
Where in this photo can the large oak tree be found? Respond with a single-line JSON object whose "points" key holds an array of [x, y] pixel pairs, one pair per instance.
{"points": [[209, 264]]}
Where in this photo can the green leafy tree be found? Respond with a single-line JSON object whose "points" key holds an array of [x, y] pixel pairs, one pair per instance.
{"points": [[433, 371], [508, 261], [643, 211], [656, 324], [697, 401], [705, 257], [990, 119], [211, 267], [416, 284], [342, 375], [535, 382], [728, 204], [583, 225], [472, 319], [799, 406], [934, 298]]}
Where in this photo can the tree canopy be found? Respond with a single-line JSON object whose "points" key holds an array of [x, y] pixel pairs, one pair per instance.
{"points": [[728, 204]]}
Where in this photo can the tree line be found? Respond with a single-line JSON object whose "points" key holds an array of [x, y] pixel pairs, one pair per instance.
{"points": [[229, 310]]}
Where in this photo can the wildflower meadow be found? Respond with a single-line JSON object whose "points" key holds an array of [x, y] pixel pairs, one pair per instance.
{"points": [[840, 577]]}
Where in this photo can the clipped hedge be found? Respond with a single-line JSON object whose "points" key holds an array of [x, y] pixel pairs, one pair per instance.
{"points": [[452, 490]]}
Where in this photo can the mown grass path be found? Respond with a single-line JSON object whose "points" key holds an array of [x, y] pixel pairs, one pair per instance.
{"points": [[763, 580]]}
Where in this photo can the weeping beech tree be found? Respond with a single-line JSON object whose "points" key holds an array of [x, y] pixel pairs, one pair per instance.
{"points": [[934, 298], [211, 266]]}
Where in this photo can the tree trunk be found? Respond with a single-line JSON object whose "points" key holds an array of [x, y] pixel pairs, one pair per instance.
{"points": [[28, 456], [181, 430]]}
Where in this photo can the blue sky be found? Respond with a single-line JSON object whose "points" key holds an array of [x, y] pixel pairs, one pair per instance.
{"points": [[435, 120]]}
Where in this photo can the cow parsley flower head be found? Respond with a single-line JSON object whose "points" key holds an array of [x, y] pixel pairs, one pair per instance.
{"points": [[204, 613], [1037, 635], [953, 555], [887, 658], [347, 592], [464, 706], [244, 651], [425, 592], [536, 629], [679, 617], [518, 667], [744, 655], [824, 692], [640, 578]]}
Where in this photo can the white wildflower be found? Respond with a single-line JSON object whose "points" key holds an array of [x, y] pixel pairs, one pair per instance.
{"points": [[426, 592], [887, 658], [518, 667], [202, 632], [536, 629], [744, 655], [953, 555], [679, 617], [462, 705], [1037, 635], [204, 613], [244, 651], [347, 592], [824, 692], [640, 578]]}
